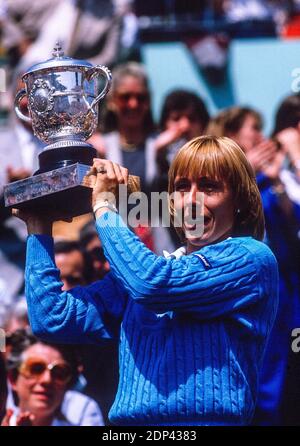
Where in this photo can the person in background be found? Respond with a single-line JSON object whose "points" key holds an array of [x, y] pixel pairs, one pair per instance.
{"points": [[41, 376], [184, 116], [129, 135], [282, 215], [22, 25], [72, 263], [128, 125], [192, 329], [91, 247], [87, 29], [287, 133], [17, 318], [244, 125], [99, 360], [82, 262]]}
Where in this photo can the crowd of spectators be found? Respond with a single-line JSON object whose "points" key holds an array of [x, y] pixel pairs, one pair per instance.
{"points": [[111, 31], [52, 385]]}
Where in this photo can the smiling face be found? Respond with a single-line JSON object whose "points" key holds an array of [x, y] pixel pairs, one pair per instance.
{"points": [[40, 394], [212, 175], [130, 101], [213, 200]]}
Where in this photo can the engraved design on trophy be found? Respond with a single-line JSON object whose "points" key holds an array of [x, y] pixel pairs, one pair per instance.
{"points": [[41, 97], [63, 96]]}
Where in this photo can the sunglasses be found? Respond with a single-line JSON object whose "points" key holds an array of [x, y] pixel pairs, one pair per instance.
{"points": [[141, 98], [97, 253], [60, 372]]}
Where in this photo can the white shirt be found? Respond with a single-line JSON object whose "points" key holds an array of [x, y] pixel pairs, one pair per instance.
{"points": [[292, 185], [29, 148]]}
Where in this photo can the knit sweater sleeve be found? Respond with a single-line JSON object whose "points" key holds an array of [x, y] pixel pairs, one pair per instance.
{"points": [[81, 315], [226, 277]]}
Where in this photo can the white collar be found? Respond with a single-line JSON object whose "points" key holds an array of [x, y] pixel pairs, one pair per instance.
{"points": [[176, 254], [179, 252]]}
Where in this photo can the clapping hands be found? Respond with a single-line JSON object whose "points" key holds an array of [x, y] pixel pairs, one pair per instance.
{"points": [[23, 419]]}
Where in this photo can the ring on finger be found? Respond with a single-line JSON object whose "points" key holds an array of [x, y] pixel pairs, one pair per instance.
{"points": [[101, 169]]}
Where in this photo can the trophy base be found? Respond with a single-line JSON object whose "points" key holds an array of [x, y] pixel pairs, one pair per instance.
{"points": [[67, 191]]}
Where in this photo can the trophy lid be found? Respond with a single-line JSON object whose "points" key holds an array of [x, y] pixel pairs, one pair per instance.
{"points": [[58, 60]]}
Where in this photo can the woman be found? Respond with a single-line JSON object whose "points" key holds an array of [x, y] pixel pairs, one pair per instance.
{"points": [[128, 137], [193, 328], [244, 126], [282, 215], [40, 375], [128, 125]]}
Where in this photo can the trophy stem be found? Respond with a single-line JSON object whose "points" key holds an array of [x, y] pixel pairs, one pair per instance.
{"points": [[63, 156]]}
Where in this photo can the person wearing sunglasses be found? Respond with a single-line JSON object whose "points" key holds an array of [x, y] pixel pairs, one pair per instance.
{"points": [[40, 376], [128, 125], [129, 136]]}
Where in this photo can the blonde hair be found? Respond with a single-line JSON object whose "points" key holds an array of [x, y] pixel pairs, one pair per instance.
{"points": [[222, 159]]}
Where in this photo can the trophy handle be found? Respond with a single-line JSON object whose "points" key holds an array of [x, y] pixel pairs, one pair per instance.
{"points": [[20, 95], [99, 70]]}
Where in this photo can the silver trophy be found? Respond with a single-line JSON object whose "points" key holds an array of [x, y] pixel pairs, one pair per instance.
{"points": [[63, 95]]}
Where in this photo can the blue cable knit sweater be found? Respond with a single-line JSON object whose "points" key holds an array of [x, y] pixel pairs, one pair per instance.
{"points": [[192, 330]]}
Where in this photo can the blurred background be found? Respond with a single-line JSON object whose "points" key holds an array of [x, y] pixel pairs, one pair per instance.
{"points": [[229, 51]]}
